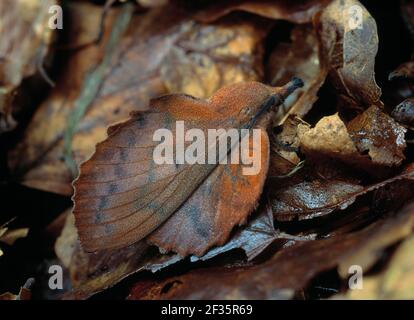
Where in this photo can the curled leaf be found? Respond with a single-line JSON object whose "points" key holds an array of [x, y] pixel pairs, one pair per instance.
{"points": [[378, 134], [349, 43], [24, 45], [404, 112]]}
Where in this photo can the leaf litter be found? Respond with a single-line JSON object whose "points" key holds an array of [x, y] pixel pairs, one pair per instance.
{"points": [[337, 179]]}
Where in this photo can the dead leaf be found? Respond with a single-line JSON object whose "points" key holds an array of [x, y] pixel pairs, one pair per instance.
{"points": [[348, 49], [10, 236], [287, 271], [24, 44], [378, 134], [152, 3], [329, 137], [308, 200], [373, 132], [404, 112], [405, 70], [253, 238], [317, 197]]}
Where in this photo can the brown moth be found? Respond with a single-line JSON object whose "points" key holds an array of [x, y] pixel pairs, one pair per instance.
{"points": [[122, 195]]}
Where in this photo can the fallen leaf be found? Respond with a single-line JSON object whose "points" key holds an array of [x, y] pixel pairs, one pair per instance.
{"points": [[152, 3], [378, 134], [9, 237], [405, 70], [330, 138], [287, 271], [308, 200], [349, 43], [253, 238], [317, 197], [372, 132], [404, 112], [24, 44]]}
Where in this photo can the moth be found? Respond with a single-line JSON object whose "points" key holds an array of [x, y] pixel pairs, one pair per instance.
{"points": [[122, 196]]}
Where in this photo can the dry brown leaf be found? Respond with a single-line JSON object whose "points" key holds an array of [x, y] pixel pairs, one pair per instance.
{"points": [[329, 137], [253, 238], [378, 134], [372, 132], [24, 44], [349, 43], [405, 70], [152, 3], [287, 271], [308, 200], [319, 196], [91, 274], [10, 236], [404, 113]]}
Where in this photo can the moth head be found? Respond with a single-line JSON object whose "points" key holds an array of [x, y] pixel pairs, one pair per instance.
{"points": [[248, 101]]}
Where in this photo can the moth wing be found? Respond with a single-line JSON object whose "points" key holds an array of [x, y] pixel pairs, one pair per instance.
{"points": [[224, 200], [121, 194]]}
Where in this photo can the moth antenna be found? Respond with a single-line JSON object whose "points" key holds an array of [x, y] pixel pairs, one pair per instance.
{"points": [[277, 98], [290, 87]]}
